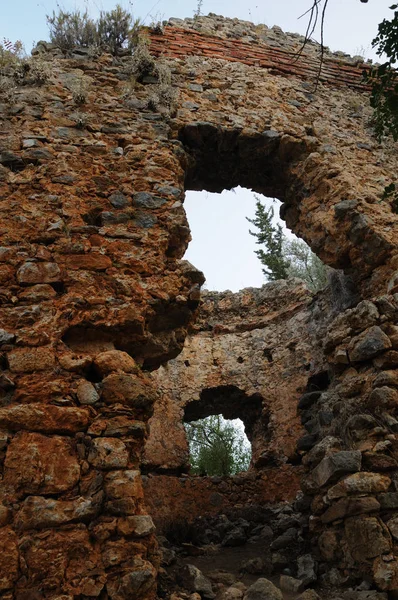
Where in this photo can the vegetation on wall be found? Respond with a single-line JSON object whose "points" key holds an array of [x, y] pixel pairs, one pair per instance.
{"points": [[115, 31], [217, 447]]}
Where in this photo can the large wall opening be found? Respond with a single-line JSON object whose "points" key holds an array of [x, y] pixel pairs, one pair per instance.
{"points": [[226, 176], [234, 405]]}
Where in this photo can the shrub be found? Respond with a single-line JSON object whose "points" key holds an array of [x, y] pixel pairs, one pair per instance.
{"points": [[80, 119], [32, 71], [11, 53], [164, 97], [143, 64], [79, 88], [7, 89], [117, 30], [114, 31], [68, 30]]}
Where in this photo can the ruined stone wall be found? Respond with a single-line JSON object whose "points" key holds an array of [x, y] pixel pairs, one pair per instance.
{"points": [[254, 346], [94, 294], [173, 500]]}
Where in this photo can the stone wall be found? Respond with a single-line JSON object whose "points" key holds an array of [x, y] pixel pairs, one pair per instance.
{"points": [[175, 500], [257, 346], [94, 294]]}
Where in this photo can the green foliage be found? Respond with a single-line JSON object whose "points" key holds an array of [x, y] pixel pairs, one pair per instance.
{"points": [[271, 238], [11, 53], [117, 30], [305, 265], [391, 193], [383, 79], [285, 258], [216, 447], [70, 29], [114, 31]]}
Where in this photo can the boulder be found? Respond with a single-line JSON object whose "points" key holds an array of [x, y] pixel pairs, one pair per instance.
{"points": [[290, 584], [235, 537], [263, 589], [193, 580], [367, 537], [306, 569]]}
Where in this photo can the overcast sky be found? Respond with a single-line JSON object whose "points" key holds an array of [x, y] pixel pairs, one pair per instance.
{"points": [[221, 246]]}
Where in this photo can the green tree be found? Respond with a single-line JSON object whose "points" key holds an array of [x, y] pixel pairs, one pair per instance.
{"points": [[305, 264], [271, 237], [216, 447], [285, 258], [384, 98]]}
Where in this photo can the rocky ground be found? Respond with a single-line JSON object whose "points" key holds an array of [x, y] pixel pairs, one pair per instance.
{"points": [[251, 553]]}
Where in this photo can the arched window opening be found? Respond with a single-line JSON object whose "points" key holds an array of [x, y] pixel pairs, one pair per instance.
{"points": [[221, 427], [218, 446]]}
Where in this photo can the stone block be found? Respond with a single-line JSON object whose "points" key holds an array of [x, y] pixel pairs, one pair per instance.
{"points": [[29, 360], [129, 390], [388, 378], [39, 513], [119, 200], [37, 464], [31, 273], [124, 492], [375, 461], [134, 582], [385, 573], [115, 361], [392, 525], [334, 466], [360, 483], [9, 563], [347, 507], [388, 360], [118, 427], [108, 453], [366, 537], [388, 501], [86, 393], [368, 344], [139, 526], [44, 418], [63, 560], [383, 397], [94, 261]]}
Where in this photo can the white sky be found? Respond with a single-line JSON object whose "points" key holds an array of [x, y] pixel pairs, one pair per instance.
{"points": [[222, 246]]}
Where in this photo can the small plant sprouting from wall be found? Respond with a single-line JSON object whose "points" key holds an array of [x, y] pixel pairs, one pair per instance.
{"points": [[17, 69], [391, 193], [145, 68]]}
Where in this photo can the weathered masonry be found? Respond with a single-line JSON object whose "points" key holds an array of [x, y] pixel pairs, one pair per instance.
{"points": [[96, 300]]}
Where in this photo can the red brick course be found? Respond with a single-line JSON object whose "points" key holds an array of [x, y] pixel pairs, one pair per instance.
{"points": [[176, 42]]}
